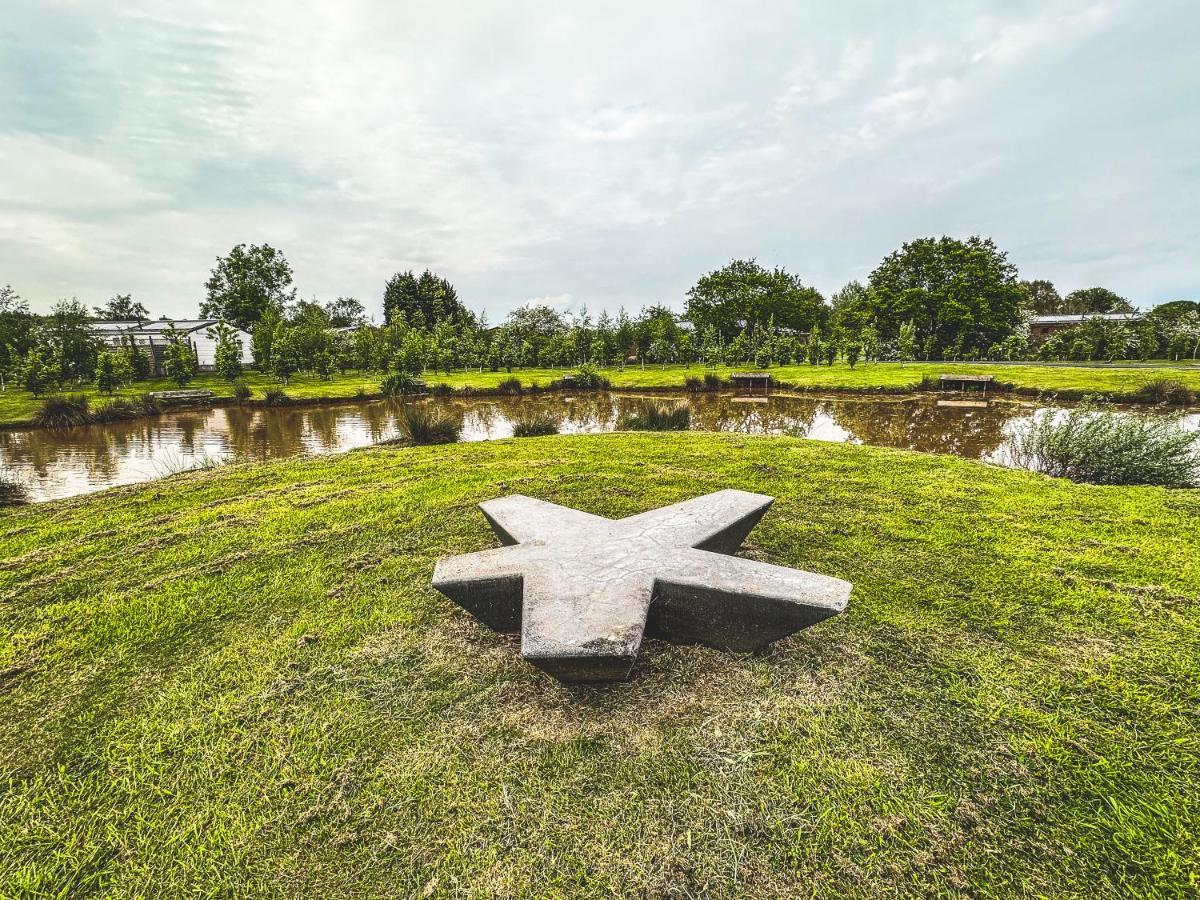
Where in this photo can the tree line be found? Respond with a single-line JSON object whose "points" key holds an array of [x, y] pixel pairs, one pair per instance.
{"points": [[932, 299]]}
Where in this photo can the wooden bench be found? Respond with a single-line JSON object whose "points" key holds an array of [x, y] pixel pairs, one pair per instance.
{"points": [[185, 396], [966, 382], [751, 382]]}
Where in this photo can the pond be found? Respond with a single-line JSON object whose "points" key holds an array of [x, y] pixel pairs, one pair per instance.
{"points": [[63, 463]]}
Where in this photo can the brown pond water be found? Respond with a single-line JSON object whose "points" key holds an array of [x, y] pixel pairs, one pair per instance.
{"points": [[62, 463]]}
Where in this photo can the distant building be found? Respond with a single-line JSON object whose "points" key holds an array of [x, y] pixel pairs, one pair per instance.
{"points": [[151, 338], [1042, 327]]}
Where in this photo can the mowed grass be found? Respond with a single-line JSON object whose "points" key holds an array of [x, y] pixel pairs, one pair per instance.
{"points": [[240, 682], [17, 406]]}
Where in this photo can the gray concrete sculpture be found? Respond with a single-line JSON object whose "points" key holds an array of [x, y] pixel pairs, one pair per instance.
{"points": [[583, 589]]}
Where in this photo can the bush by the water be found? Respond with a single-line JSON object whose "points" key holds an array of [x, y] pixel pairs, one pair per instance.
{"points": [[1167, 391], [276, 397], [654, 415], [241, 391], [535, 423], [63, 411], [589, 377], [398, 384], [423, 424], [510, 386], [12, 491], [1108, 447], [118, 409]]}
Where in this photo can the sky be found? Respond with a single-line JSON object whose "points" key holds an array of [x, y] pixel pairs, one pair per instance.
{"points": [[604, 154]]}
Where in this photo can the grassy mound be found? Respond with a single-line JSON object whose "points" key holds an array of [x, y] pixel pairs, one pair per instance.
{"points": [[240, 682]]}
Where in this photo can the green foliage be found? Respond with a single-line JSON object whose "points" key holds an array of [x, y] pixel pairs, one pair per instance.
{"points": [[1041, 298], [535, 423], [398, 384], [276, 396], [39, 372], [655, 415], [17, 326], [1095, 300], [1167, 392], [588, 377], [109, 369], [122, 308], [422, 301], [1093, 339], [12, 491], [248, 282], [241, 391], [961, 296], [744, 294], [63, 411], [118, 409], [510, 386], [227, 358], [853, 351], [1106, 447], [422, 424], [285, 352], [179, 360]]}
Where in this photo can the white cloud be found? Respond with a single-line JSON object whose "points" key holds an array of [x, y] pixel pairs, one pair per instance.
{"points": [[611, 152]]}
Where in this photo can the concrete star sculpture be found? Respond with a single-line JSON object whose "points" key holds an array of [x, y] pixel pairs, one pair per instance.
{"points": [[583, 589]]}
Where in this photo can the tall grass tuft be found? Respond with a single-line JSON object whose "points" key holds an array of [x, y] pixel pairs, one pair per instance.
{"points": [[63, 411], [241, 391], [1166, 391], [398, 384], [12, 491], [510, 386], [118, 409], [535, 423], [422, 424], [1109, 447], [274, 396], [655, 415]]}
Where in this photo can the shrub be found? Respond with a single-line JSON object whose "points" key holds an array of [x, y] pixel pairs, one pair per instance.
{"points": [[588, 377], [1107, 447], [118, 409], [241, 391], [535, 423], [63, 411], [693, 385], [398, 384], [12, 491], [276, 397], [712, 381], [422, 424], [653, 415], [510, 386], [148, 405], [1166, 391], [441, 389]]}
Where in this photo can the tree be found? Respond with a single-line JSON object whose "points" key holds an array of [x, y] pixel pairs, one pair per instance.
{"points": [[852, 310], [16, 331], [1041, 298], [421, 301], [263, 336], [961, 296], [39, 371], [906, 341], [869, 338], [227, 358], [70, 339], [112, 371], [743, 294], [246, 283], [1096, 300], [285, 352], [345, 312], [121, 307], [179, 361]]}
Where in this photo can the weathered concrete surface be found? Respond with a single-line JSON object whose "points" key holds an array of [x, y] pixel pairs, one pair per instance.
{"points": [[584, 589]]}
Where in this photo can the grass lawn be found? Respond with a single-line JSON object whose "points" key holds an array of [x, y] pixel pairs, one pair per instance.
{"points": [[240, 682], [1114, 381]]}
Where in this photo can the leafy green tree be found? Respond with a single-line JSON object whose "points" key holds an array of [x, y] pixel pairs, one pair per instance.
{"points": [[906, 341], [421, 301], [138, 360], [262, 337], [112, 370], [744, 294], [1041, 298], [1095, 300], [410, 357], [70, 339], [121, 307], [961, 296], [852, 310], [285, 352], [17, 325], [227, 358], [869, 339], [179, 361], [345, 312], [39, 369], [247, 283], [853, 351], [816, 347]]}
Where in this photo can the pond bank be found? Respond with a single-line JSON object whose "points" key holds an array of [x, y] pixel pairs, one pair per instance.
{"points": [[253, 656]]}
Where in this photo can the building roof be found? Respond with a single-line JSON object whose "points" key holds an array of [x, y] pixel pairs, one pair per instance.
{"points": [[1076, 319]]}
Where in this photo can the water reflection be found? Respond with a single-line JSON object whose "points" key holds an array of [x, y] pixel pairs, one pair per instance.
{"points": [[74, 461]]}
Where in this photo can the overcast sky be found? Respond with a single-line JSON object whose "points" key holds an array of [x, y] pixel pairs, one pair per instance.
{"points": [[605, 156]]}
